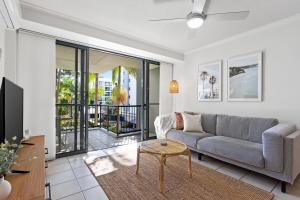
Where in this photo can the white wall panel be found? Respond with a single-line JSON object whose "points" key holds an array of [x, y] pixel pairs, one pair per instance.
{"points": [[36, 74], [165, 98], [281, 68]]}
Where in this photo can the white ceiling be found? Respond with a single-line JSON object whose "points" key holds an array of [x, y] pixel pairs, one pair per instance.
{"points": [[129, 17]]}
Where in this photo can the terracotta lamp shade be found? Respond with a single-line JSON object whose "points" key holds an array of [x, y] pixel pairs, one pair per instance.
{"points": [[174, 87]]}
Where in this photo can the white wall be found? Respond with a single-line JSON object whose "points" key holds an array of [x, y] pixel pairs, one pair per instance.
{"points": [[280, 44], [165, 98], [2, 48], [10, 65], [8, 54], [36, 74]]}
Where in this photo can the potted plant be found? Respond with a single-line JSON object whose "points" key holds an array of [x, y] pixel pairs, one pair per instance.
{"points": [[7, 158]]}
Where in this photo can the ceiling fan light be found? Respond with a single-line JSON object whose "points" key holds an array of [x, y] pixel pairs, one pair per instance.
{"points": [[195, 22]]}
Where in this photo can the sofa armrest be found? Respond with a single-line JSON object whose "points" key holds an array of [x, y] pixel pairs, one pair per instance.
{"points": [[292, 159], [163, 124], [273, 149]]}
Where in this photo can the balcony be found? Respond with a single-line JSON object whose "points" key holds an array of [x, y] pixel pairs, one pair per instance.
{"points": [[108, 126], [119, 120]]}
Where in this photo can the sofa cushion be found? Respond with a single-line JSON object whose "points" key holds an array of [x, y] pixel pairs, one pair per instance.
{"points": [[179, 121], [192, 123], [189, 138], [245, 128], [238, 150], [209, 122]]}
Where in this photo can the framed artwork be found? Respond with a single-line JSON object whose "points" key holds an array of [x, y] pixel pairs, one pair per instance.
{"points": [[244, 76], [210, 81]]}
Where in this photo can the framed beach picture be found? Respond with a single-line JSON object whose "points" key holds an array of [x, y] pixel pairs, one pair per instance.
{"points": [[210, 81], [244, 76]]}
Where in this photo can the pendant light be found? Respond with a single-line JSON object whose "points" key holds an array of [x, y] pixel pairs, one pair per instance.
{"points": [[174, 86]]}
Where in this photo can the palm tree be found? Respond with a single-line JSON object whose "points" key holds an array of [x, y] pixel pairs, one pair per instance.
{"points": [[120, 94], [116, 73], [212, 81], [95, 92], [203, 77]]}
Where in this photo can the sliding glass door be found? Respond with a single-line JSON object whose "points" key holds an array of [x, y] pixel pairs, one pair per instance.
{"points": [[111, 98], [71, 99], [151, 97]]}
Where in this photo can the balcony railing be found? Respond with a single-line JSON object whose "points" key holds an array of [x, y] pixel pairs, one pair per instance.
{"points": [[117, 119]]}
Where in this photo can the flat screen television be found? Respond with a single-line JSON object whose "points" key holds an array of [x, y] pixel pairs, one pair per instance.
{"points": [[11, 111]]}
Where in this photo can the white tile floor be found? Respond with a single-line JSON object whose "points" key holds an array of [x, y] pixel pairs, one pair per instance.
{"points": [[71, 179]]}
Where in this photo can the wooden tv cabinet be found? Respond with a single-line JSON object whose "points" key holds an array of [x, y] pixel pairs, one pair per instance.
{"points": [[29, 186]]}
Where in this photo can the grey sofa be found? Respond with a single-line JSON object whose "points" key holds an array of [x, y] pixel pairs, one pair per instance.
{"points": [[259, 144]]}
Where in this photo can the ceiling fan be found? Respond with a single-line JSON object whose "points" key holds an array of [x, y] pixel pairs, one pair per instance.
{"points": [[198, 15]]}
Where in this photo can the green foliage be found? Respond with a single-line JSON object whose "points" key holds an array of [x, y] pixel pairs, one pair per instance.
{"points": [[120, 94], [65, 89], [92, 88], [117, 71], [7, 155], [92, 93], [65, 86], [131, 71], [109, 101], [115, 74]]}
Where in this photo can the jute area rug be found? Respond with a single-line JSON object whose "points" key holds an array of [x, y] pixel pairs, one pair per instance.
{"points": [[116, 174]]}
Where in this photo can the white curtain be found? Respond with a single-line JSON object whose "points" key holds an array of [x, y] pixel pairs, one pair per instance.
{"points": [[36, 74]]}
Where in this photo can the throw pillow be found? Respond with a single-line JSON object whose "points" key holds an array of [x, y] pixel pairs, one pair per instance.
{"points": [[192, 123], [179, 121]]}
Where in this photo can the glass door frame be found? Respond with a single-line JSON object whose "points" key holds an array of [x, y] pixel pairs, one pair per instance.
{"points": [[145, 99], [84, 125], [83, 105]]}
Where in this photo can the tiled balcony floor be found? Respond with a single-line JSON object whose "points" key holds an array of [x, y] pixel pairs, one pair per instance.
{"points": [[101, 139], [97, 139]]}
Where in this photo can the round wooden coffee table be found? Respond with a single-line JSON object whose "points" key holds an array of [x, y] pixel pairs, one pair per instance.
{"points": [[154, 147]]}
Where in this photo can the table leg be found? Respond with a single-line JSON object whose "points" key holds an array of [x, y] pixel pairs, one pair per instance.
{"points": [[161, 173], [190, 163], [137, 161]]}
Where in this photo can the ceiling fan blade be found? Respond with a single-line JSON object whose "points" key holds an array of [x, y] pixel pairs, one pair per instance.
{"points": [[198, 6], [238, 15], [168, 20], [206, 6]]}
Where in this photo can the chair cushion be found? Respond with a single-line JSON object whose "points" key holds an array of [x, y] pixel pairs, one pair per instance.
{"points": [[239, 150], [189, 138], [245, 128]]}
